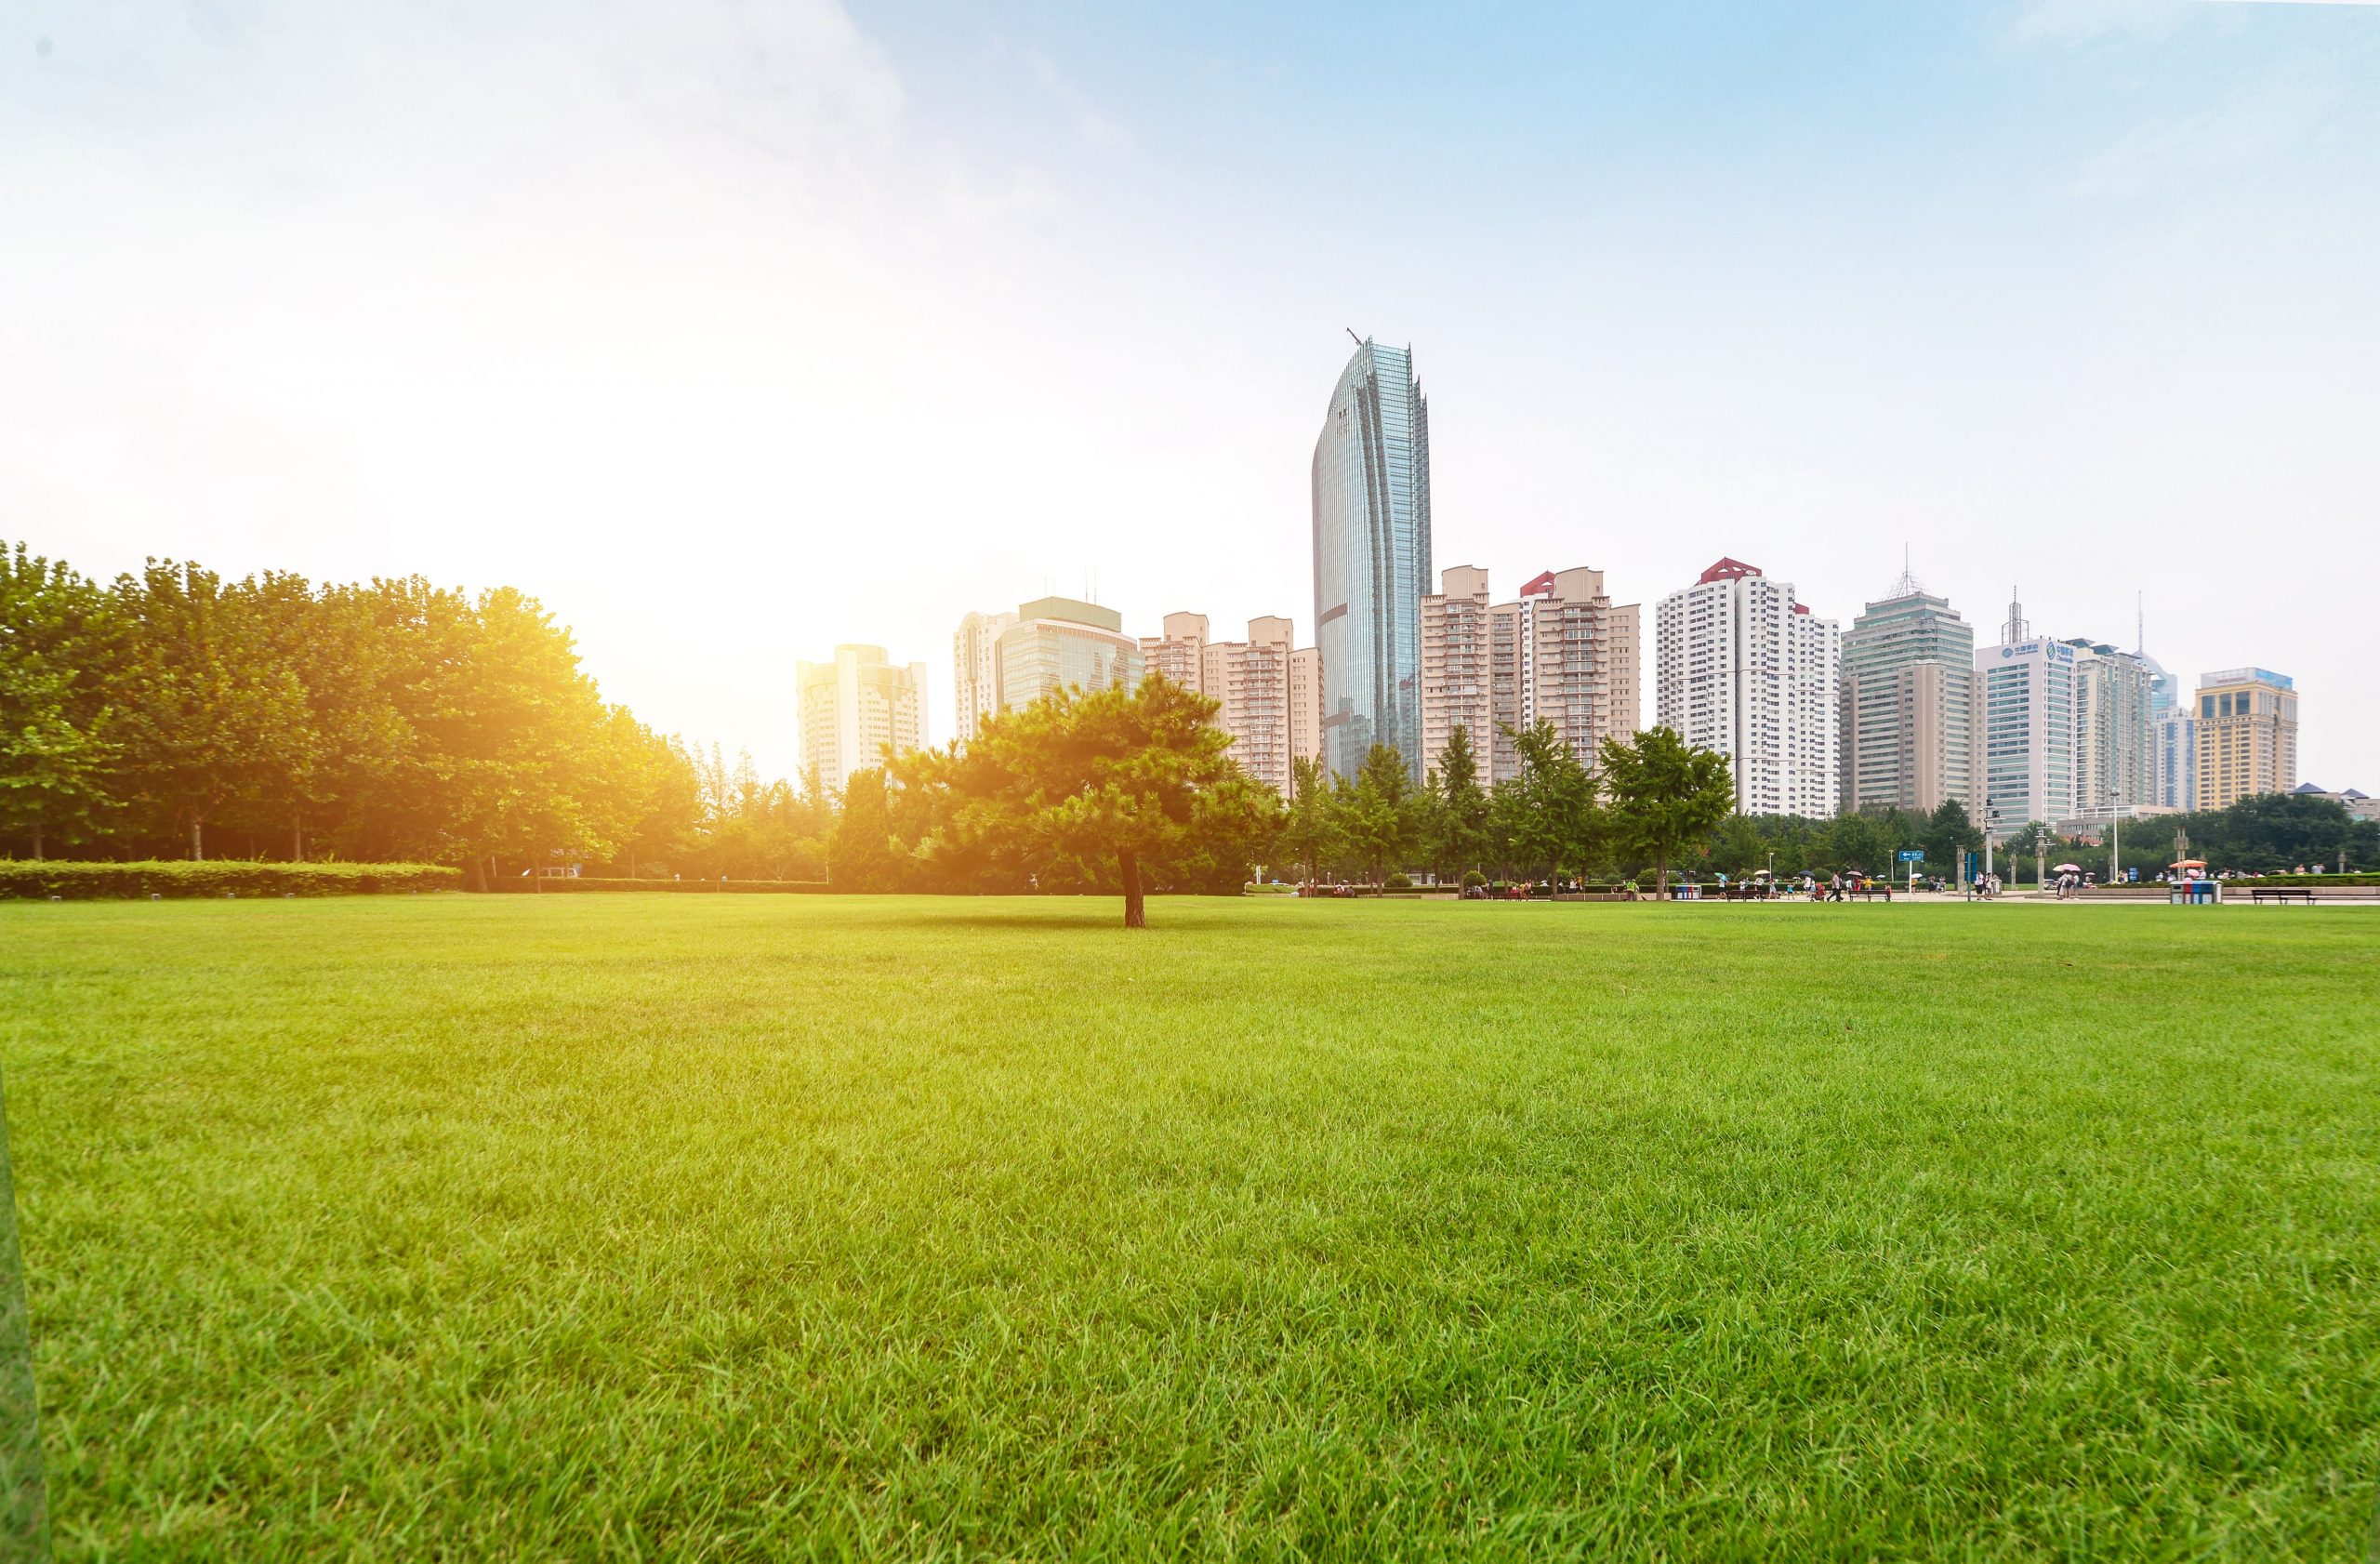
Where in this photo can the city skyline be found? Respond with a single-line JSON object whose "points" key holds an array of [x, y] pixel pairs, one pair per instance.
{"points": [[668, 316]]}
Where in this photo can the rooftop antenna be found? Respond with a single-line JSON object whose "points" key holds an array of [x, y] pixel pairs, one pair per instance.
{"points": [[2140, 624], [1351, 331], [1909, 584]]}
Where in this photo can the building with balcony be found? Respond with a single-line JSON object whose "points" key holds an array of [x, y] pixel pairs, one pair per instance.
{"points": [[1744, 667], [857, 710]]}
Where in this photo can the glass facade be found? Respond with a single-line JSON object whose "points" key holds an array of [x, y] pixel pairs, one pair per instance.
{"points": [[1059, 642], [1372, 558]]}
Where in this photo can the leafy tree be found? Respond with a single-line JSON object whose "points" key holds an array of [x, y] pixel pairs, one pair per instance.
{"points": [[1550, 815], [1739, 848], [1947, 833], [1458, 805], [1310, 831], [56, 654], [214, 713], [863, 854], [1382, 812], [1114, 776], [1665, 793]]}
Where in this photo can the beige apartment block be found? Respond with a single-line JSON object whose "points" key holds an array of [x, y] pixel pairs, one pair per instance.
{"points": [[1561, 652], [1256, 686], [1306, 704], [1455, 656], [1249, 682], [857, 709], [2247, 736], [1179, 654]]}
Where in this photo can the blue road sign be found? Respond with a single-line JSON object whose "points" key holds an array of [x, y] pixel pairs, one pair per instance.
{"points": [[1913, 854]]}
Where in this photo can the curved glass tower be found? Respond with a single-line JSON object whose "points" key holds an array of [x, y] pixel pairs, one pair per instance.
{"points": [[1372, 558]]}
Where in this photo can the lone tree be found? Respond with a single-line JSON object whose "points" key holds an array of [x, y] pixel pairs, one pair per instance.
{"points": [[1665, 794], [1133, 775]]}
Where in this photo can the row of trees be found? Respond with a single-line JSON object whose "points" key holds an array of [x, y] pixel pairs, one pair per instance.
{"points": [[173, 714], [1648, 799]]}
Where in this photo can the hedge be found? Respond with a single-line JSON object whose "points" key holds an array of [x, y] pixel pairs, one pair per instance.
{"points": [[29, 880], [520, 885]]}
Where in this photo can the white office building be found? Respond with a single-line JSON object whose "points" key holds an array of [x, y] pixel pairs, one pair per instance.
{"points": [[2115, 730], [2028, 727], [976, 667], [857, 710], [1746, 669]]}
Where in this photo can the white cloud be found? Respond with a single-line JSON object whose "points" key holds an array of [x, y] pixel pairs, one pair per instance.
{"points": [[2251, 125], [2081, 21], [1093, 125]]}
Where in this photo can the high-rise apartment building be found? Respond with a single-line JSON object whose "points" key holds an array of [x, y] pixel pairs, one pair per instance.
{"points": [[2247, 736], [2174, 741], [975, 668], [1179, 653], [2115, 730], [2176, 736], [857, 707], [1746, 669], [1059, 642], [2028, 689], [1455, 687], [1371, 557], [1249, 681], [1306, 704], [1909, 731], [1561, 652]]}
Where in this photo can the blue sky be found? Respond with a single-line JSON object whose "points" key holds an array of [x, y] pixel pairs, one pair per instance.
{"points": [[737, 331]]}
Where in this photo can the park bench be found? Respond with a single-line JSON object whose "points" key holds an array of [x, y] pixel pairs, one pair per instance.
{"points": [[2281, 894]]}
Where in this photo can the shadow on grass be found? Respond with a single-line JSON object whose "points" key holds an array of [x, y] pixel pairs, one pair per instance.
{"points": [[24, 1519]]}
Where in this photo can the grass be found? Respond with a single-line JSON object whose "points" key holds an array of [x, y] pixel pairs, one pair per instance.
{"points": [[729, 1227]]}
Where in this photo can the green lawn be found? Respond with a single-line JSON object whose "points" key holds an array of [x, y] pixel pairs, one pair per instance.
{"points": [[740, 1228]]}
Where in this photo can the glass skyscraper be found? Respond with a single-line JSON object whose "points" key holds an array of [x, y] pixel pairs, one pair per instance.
{"points": [[1372, 558]]}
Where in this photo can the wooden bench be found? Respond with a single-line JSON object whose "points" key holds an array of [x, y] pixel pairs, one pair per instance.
{"points": [[2281, 894]]}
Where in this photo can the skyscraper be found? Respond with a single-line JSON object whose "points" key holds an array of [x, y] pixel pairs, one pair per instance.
{"points": [[2028, 727], [1746, 671], [2173, 737], [1371, 557], [1909, 730], [2247, 735], [856, 708], [2115, 731]]}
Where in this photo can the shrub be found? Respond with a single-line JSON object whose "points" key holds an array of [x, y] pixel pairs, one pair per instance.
{"points": [[1474, 881], [24, 880], [520, 885], [1397, 883]]}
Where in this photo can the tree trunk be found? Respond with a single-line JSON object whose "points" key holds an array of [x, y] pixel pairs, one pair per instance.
{"points": [[1135, 915], [1661, 874], [36, 841], [197, 841], [297, 842], [474, 874]]}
